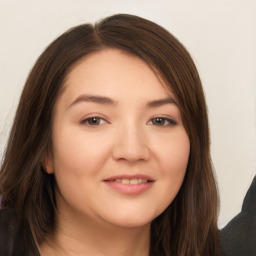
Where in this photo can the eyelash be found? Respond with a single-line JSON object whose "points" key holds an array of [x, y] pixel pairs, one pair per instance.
{"points": [[95, 118], [167, 121], [97, 121]]}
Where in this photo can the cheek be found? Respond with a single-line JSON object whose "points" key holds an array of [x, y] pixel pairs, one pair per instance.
{"points": [[174, 153], [173, 160], [78, 154]]}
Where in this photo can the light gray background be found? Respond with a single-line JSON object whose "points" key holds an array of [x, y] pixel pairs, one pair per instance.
{"points": [[221, 36]]}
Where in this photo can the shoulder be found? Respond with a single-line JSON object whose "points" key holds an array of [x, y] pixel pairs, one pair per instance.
{"points": [[8, 231], [13, 233], [239, 235]]}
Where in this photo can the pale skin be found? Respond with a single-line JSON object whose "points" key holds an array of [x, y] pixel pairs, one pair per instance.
{"points": [[114, 122]]}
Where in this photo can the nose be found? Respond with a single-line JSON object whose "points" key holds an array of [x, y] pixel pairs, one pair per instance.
{"points": [[131, 145]]}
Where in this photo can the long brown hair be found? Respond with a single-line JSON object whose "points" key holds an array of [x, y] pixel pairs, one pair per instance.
{"points": [[189, 225]]}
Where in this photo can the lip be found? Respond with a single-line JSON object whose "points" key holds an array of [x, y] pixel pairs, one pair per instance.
{"points": [[128, 188], [125, 176]]}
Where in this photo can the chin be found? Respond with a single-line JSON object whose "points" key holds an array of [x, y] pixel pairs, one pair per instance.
{"points": [[131, 221]]}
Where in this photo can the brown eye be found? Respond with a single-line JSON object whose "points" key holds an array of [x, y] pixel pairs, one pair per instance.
{"points": [[93, 121], [158, 121], [161, 121]]}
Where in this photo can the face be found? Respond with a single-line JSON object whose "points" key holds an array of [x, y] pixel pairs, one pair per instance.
{"points": [[120, 150]]}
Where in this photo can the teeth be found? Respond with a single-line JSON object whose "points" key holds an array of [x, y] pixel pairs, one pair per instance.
{"points": [[134, 181], [131, 181], [125, 181]]}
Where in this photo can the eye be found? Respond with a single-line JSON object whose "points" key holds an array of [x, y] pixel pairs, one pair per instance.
{"points": [[162, 121], [93, 121]]}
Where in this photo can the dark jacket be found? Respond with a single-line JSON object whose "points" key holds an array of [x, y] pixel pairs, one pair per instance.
{"points": [[15, 236], [238, 238]]}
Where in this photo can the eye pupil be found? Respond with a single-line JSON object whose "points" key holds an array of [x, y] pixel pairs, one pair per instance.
{"points": [[94, 121], [158, 121]]}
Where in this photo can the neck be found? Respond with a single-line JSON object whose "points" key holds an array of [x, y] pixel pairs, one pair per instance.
{"points": [[78, 238]]}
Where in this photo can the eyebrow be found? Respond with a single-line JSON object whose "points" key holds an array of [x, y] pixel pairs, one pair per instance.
{"points": [[161, 102], [108, 101], [93, 98]]}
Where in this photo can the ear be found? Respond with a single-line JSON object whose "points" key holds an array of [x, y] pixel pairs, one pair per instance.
{"points": [[47, 163]]}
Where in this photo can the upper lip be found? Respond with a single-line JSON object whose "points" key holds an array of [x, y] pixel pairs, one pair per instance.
{"points": [[130, 177]]}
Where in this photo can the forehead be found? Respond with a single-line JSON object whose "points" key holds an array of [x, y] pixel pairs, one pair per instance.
{"points": [[114, 73]]}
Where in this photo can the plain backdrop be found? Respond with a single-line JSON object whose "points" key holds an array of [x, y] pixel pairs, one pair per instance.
{"points": [[220, 35]]}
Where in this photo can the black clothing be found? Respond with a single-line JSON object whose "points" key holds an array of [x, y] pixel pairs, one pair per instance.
{"points": [[15, 236], [238, 238]]}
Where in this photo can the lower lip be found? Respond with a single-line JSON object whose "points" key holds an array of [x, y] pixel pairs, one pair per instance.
{"points": [[129, 189]]}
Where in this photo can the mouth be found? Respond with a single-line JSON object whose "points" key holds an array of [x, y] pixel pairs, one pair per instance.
{"points": [[130, 185], [133, 181]]}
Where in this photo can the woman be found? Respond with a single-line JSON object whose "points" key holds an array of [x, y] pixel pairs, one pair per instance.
{"points": [[109, 150]]}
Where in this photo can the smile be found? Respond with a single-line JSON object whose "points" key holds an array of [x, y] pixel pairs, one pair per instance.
{"points": [[131, 181], [130, 184]]}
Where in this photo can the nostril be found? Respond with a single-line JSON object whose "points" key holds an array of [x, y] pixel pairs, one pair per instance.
{"points": [[131, 153]]}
